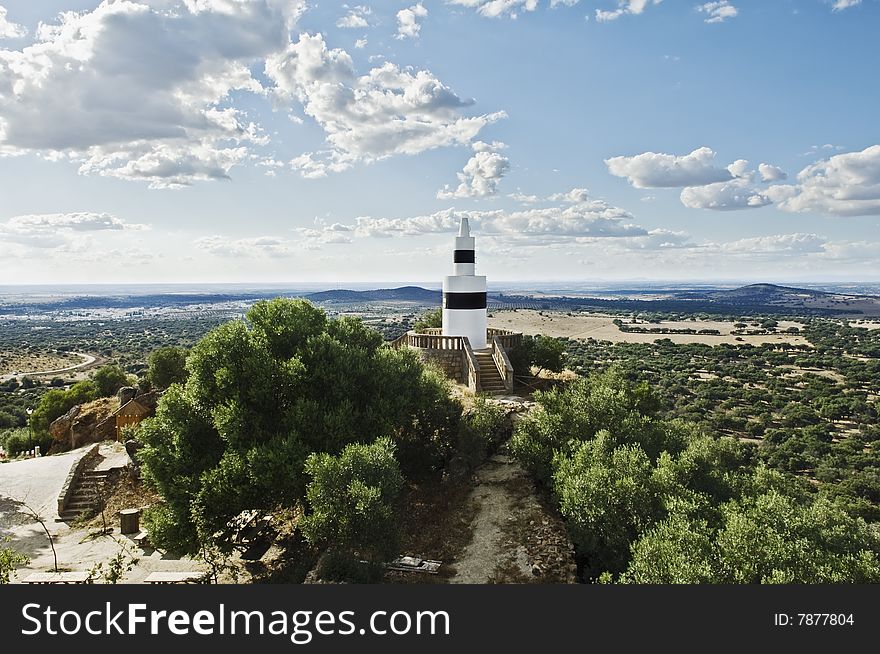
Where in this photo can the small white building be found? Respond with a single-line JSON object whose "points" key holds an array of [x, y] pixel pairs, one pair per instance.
{"points": [[464, 293], [465, 349]]}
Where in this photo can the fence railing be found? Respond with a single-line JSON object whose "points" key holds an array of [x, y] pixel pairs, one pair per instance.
{"points": [[500, 341], [507, 338], [502, 362], [473, 366]]}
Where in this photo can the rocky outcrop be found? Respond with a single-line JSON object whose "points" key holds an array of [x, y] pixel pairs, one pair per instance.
{"points": [[149, 400], [60, 427], [95, 421], [85, 423], [125, 394]]}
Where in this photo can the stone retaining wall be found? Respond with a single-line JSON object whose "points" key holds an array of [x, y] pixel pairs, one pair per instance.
{"points": [[73, 476], [451, 362]]}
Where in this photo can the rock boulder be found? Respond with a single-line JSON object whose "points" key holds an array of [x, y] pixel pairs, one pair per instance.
{"points": [[85, 423], [125, 394]]}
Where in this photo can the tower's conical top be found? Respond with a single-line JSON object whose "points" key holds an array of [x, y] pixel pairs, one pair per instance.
{"points": [[464, 229]]}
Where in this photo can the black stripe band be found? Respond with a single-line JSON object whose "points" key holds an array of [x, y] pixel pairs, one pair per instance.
{"points": [[463, 256], [464, 300]]}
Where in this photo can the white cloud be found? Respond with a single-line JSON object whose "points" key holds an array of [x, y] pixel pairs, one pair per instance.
{"points": [[574, 196], [355, 18], [853, 251], [78, 221], [360, 43], [770, 173], [724, 196], [593, 219], [658, 239], [366, 118], [740, 168], [322, 233], [533, 226], [776, 244], [439, 222], [56, 230], [844, 185], [633, 7], [717, 12], [408, 26], [8, 29], [657, 170], [840, 5], [481, 174], [737, 193], [257, 247], [497, 8], [119, 91], [524, 198], [705, 186]]}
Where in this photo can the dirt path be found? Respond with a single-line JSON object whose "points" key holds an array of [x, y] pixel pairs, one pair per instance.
{"points": [[516, 539]]}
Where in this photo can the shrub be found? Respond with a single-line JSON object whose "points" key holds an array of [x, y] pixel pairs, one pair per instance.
{"points": [[9, 561], [263, 395], [19, 441], [352, 498], [167, 366], [109, 379], [432, 319]]}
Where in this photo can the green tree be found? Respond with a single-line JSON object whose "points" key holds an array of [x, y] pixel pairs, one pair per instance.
{"points": [[542, 351], [263, 395], [432, 319], [608, 495], [677, 550], [166, 366], [56, 403], [578, 411], [352, 498], [774, 539], [109, 379]]}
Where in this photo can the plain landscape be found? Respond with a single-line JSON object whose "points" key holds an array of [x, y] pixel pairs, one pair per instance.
{"points": [[790, 374]]}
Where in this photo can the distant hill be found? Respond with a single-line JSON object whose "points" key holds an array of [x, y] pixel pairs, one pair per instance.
{"points": [[767, 294], [415, 294]]}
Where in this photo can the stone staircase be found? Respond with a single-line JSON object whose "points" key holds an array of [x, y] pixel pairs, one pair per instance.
{"points": [[84, 496], [490, 379]]}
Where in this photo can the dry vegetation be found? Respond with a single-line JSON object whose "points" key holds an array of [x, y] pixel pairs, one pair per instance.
{"points": [[602, 328], [29, 361]]}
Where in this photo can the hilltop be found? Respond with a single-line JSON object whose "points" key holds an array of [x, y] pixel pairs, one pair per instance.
{"points": [[415, 294]]}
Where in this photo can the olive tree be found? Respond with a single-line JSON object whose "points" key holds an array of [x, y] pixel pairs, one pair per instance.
{"points": [[264, 393]]}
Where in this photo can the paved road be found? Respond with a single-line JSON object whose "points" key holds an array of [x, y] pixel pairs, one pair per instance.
{"points": [[36, 482], [88, 360]]}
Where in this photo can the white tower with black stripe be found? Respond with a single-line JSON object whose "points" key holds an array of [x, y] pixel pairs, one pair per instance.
{"points": [[464, 294]]}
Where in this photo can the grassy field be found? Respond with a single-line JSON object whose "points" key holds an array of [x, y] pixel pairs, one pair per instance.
{"points": [[602, 328]]}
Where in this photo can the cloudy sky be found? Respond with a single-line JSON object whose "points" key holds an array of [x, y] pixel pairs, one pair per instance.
{"points": [[285, 141]]}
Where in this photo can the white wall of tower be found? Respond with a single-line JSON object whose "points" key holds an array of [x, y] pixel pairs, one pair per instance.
{"points": [[466, 322], [470, 322]]}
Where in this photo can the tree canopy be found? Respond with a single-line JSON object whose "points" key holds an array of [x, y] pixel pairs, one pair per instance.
{"points": [[166, 366], [352, 498], [432, 319], [262, 394], [109, 379], [649, 500]]}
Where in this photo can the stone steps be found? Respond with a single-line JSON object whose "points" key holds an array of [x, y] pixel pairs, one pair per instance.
{"points": [[490, 379], [82, 499]]}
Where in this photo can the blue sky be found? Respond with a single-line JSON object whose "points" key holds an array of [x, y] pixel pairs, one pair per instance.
{"points": [[277, 141]]}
